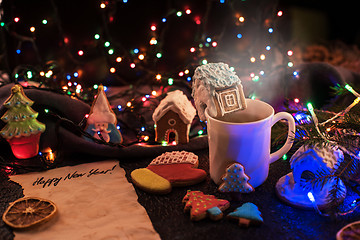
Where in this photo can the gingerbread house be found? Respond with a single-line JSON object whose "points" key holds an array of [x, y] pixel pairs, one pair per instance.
{"points": [[217, 88], [173, 118]]}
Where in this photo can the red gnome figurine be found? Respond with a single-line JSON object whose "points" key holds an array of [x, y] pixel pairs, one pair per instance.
{"points": [[22, 130]]}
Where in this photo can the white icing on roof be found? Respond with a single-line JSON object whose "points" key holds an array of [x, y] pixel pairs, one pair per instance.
{"points": [[218, 75], [314, 159], [177, 102], [329, 157]]}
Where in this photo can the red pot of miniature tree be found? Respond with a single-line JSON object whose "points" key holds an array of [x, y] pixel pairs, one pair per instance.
{"points": [[22, 129]]}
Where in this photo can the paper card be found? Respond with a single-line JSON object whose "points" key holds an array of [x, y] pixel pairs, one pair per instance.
{"points": [[94, 200]]}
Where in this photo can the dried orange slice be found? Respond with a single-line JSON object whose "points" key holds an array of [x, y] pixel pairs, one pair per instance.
{"points": [[349, 232], [29, 212]]}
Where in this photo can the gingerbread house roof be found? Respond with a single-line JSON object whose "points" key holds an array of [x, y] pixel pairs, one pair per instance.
{"points": [[178, 103], [318, 157], [216, 75]]}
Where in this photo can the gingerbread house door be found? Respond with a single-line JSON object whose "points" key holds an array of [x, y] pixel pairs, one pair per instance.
{"points": [[171, 136]]}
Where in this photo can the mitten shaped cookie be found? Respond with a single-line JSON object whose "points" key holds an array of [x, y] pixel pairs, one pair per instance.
{"points": [[170, 169]]}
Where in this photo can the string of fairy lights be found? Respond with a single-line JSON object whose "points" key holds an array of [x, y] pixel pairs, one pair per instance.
{"points": [[204, 49], [255, 63]]}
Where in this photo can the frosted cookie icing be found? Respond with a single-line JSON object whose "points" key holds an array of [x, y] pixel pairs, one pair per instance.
{"points": [[248, 214], [311, 159], [235, 180], [216, 75], [175, 157], [314, 159], [170, 169], [213, 77], [201, 205]]}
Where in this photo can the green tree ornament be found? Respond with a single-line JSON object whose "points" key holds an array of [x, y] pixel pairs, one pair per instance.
{"points": [[22, 129]]}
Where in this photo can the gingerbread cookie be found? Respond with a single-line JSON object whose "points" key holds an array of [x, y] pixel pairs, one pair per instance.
{"points": [[170, 169], [202, 206], [235, 181], [247, 215], [173, 118], [218, 89]]}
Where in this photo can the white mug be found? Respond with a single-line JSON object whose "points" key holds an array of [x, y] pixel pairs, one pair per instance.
{"points": [[244, 137]]}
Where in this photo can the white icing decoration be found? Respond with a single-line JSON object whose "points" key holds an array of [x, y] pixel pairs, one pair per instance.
{"points": [[233, 182], [175, 157], [178, 103], [331, 157], [172, 122], [229, 100], [167, 134], [217, 75], [207, 78], [313, 159]]}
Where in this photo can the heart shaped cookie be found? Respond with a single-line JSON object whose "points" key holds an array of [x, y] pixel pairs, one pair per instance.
{"points": [[170, 169]]}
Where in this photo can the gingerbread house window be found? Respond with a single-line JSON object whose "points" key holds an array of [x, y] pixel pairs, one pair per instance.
{"points": [[172, 122], [229, 100]]}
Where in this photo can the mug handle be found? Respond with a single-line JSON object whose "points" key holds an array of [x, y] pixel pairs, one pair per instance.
{"points": [[290, 136]]}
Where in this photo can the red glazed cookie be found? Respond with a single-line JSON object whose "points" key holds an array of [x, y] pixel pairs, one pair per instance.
{"points": [[167, 170], [201, 206]]}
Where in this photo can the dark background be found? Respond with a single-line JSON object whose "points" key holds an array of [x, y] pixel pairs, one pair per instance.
{"points": [[127, 26]]}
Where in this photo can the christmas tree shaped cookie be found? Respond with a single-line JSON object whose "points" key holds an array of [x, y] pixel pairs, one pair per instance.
{"points": [[101, 123], [201, 206], [235, 180], [248, 215], [22, 129]]}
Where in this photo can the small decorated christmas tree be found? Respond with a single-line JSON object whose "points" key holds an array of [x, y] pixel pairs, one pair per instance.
{"points": [[235, 180], [22, 129]]}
